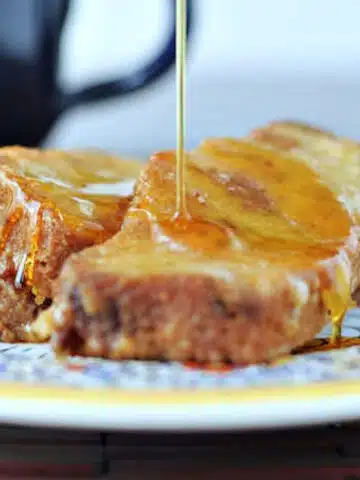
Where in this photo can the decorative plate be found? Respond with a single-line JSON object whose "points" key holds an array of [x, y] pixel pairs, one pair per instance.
{"points": [[36, 389]]}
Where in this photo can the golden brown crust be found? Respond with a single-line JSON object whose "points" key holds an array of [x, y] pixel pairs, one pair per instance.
{"points": [[181, 317], [47, 213], [147, 294]]}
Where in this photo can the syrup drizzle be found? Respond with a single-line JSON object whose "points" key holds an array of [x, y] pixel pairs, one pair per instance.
{"points": [[25, 265], [27, 262], [182, 228], [181, 20], [327, 344], [91, 205], [195, 233], [338, 301]]}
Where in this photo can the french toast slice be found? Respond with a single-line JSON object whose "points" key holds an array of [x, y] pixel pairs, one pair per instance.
{"points": [[52, 204], [266, 261]]}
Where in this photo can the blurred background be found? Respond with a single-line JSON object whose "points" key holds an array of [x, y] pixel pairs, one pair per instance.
{"points": [[250, 61]]}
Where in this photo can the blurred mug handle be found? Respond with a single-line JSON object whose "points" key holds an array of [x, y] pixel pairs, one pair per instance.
{"points": [[139, 79]]}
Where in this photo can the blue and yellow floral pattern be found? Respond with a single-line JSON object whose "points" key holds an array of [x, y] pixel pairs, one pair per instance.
{"points": [[35, 364]]}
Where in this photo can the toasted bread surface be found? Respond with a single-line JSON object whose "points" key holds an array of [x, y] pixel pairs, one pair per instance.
{"points": [[336, 160], [52, 204], [272, 247]]}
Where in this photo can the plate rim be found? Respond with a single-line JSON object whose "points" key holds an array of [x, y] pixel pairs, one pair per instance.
{"points": [[186, 411], [172, 397]]}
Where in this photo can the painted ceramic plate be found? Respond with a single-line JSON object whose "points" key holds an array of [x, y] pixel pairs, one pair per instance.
{"points": [[36, 389]]}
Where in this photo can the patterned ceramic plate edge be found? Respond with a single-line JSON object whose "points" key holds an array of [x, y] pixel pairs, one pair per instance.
{"points": [[31, 372]]}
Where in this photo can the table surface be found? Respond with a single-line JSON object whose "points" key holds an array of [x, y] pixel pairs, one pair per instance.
{"points": [[330, 452]]}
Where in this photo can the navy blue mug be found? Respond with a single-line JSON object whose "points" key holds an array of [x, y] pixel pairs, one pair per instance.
{"points": [[30, 97]]}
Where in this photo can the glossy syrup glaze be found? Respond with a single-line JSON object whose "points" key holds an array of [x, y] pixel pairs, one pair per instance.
{"points": [[326, 344], [249, 205], [87, 193]]}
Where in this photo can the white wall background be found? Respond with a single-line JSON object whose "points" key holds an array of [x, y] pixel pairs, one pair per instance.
{"points": [[251, 61]]}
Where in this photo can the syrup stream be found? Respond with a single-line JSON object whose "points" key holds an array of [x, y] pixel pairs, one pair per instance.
{"points": [[181, 18]]}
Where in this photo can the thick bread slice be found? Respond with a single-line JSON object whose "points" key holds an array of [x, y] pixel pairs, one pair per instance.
{"points": [[271, 250], [52, 204]]}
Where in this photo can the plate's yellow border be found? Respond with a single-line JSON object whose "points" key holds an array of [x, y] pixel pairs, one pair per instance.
{"points": [[123, 398]]}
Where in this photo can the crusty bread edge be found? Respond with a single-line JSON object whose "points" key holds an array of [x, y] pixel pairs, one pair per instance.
{"points": [[188, 317]]}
